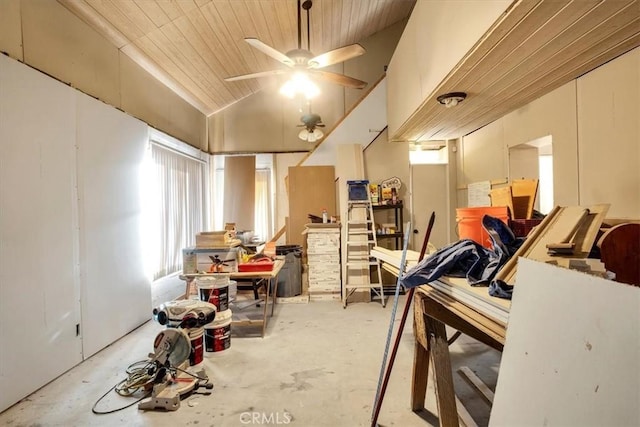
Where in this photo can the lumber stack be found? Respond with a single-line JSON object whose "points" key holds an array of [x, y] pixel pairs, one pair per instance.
{"points": [[323, 259]]}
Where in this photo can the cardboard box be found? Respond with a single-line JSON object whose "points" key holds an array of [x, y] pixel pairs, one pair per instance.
{"points": [[201, 260]]}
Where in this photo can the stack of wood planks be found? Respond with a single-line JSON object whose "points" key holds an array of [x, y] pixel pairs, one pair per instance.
{"points": [[323, 258], [554, 229]]}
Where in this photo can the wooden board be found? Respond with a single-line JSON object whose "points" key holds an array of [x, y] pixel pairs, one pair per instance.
{"points": [[239, 191], [311, 189], [502, 197], [523, 192], [571, 353], [554, 229], [477, 383]]}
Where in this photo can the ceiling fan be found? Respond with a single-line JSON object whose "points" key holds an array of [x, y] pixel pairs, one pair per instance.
{"points": [[311, 124], [302, 60]]}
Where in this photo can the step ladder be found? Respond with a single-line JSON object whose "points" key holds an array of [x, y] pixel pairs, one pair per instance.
{"points": [[360, 234]]}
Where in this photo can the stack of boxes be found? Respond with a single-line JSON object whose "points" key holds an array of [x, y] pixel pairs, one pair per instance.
{"points": [[323, 258]]}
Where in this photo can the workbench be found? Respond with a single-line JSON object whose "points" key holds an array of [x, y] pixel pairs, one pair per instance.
{"points": [[268, 278], [470, 310]]}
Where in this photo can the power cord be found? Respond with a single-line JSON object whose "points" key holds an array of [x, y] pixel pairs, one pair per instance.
{"points": [[141, 374]]}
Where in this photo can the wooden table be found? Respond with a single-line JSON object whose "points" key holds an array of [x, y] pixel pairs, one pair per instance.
{"points": [[271, 281], [470, 310]]}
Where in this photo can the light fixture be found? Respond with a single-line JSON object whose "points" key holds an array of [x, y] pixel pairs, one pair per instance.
{"points": [[310, 135], [451, 99], [300, 84]]}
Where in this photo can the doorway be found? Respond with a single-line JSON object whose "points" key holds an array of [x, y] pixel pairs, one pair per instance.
{"points": [[534, 160]]}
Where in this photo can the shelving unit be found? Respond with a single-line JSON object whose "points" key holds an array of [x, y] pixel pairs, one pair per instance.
{"points": [[397, 220]]}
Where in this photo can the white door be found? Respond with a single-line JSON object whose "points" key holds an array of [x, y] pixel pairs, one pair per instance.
{"points": [[429, 189]]}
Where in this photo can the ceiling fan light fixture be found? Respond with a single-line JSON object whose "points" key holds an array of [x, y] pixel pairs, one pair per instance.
{"points": [[310, 135], [300, 84], [451, 99]]}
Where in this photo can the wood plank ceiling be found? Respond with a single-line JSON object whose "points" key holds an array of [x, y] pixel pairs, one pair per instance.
{"points": [[192, 45], [537, 46]]}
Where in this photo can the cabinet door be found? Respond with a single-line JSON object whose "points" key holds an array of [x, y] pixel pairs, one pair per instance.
{"points": [[429, 194]]}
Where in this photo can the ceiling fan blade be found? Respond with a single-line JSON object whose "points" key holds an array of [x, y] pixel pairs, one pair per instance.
{"points": [[269, 51], [340, 79], [336, 55], [255, 75]]}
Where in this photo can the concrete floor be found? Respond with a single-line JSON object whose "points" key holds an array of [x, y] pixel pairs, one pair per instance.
{"points": [[317, 366]]}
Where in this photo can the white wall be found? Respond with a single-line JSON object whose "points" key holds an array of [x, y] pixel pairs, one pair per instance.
{"points": [[116, 295], [594, 125], [609, 136], [69, 228], [39, 277]]}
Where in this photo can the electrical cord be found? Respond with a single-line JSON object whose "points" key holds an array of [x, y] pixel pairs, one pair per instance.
{"points": [[140, 375]]}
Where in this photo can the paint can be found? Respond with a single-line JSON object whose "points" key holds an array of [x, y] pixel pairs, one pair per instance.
{"points": [[214, 290], [217, 334], [196, 336]]}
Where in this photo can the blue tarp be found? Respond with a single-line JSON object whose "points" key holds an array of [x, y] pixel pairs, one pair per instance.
{"points": [[466, 258]]}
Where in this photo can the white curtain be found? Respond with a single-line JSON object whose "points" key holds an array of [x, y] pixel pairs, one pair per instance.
{"points": [[180, 206]]}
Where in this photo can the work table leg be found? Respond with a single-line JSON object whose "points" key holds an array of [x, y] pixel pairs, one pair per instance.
{"points": [[431, 343], [420, 374]]}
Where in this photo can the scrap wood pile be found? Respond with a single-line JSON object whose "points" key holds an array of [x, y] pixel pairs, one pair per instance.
{"points": [[565, 233]]}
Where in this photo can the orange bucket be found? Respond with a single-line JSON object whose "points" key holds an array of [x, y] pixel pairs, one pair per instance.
{"points": [[470, 222]]}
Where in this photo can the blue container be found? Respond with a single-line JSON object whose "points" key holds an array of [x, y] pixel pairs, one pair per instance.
{"points": [[358, 190]]}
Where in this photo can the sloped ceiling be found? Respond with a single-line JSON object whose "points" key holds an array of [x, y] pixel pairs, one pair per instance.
{"points": [[192, 45], [534, 48]]}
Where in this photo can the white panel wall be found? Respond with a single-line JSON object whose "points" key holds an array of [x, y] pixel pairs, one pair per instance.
{"points": [[39, 278], [594, 124], [609, 136], [116, 295]]}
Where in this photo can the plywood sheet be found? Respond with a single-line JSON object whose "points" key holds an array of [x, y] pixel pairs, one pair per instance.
{"points": [[502, 197], [311, 188], [571, 352], [524, 193], [240, 191]]}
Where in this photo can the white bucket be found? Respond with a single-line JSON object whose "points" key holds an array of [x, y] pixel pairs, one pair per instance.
{"points": [[196, 336], [214, 290], [217, 334]]}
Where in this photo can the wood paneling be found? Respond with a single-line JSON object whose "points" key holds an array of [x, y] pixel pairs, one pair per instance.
{"points": [[195, 44], [536, 47]]}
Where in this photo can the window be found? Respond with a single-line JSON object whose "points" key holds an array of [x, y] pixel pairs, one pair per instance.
{"points": [[175, 206], [428, 153]]}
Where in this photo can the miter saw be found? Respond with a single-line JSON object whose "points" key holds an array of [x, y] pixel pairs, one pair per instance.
{"points": [[172, 378], [172, 348]]}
